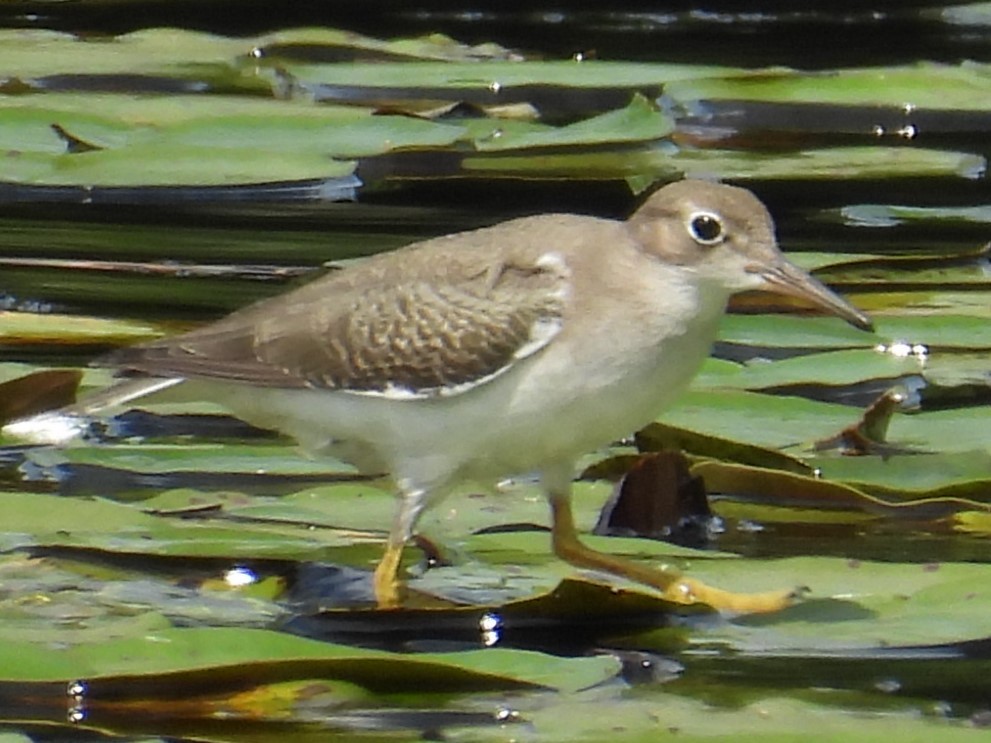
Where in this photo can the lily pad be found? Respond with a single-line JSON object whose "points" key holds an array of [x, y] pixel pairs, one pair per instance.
{"points": [[238, 657], [18, 328], [923, 85]]}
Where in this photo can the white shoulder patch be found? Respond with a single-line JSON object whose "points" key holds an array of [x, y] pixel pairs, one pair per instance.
{"points": [[541, 333], [553, 262]]}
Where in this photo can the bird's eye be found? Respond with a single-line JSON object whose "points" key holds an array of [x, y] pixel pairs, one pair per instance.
{"points": [[706, 228]]}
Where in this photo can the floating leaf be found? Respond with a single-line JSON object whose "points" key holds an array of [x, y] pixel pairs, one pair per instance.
{"points": [[790, 490], [18, 328], [639, 121], [760, 420], [793, 332], [830, 164], [910, 88], [963, 474], [657, 436], [217, 658]]}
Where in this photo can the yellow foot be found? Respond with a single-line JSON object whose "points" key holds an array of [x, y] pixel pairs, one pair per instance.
{"points": [[390, 597], [389, 588], [689, 591]]}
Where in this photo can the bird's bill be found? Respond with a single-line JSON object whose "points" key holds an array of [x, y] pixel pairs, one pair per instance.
{"points": [[788, 279]]}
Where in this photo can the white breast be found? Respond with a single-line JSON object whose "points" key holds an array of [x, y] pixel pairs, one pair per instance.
{"points": [[595, 383]]}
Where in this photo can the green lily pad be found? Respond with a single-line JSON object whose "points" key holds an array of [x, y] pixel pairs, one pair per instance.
{"points": [[762, 420], [640, 121], [828, 368], [665, 163], [909, 87], [487, 75], [98, 525], [806, 493], [916, 476], [794, 332], [857, 604], [330, 136], [772, 718], [27, 327], [829, 164], [239, 656], [160, 165], [282, 44]]}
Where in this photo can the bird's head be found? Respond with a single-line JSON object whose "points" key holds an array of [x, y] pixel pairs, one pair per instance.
{"points": [[725, 235]]}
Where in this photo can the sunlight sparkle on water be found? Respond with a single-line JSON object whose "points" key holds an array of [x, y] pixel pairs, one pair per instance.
{"points": [[76, 691], [490, 626], [239, 577], [903, 349], [507, 714]]}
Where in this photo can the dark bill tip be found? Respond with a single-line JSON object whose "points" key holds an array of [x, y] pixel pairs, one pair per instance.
{"points": [[786, 278]]}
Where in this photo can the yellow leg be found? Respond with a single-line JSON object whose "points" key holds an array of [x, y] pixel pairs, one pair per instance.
{"points": [[389, 589], [669, 582]]}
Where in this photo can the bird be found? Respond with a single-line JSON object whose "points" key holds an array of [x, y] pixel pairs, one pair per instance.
{"points": [[505, 350]]}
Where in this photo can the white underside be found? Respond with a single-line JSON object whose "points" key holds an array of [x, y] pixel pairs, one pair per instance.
{"points": [[544, 412]]}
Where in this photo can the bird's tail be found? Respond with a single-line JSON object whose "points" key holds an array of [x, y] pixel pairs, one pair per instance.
{"points": [[73, 421]]}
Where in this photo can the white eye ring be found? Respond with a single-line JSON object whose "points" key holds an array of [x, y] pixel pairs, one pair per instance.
{"points": [[706, 228]]}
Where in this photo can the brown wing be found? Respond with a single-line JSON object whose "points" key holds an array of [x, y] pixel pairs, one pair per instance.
{"points": [[392, 326]]}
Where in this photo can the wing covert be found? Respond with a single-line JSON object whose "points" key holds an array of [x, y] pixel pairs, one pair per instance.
{"points": [[396, 333]]}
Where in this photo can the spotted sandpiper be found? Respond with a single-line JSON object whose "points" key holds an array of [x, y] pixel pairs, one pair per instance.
{"points": [[508, 349]]}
